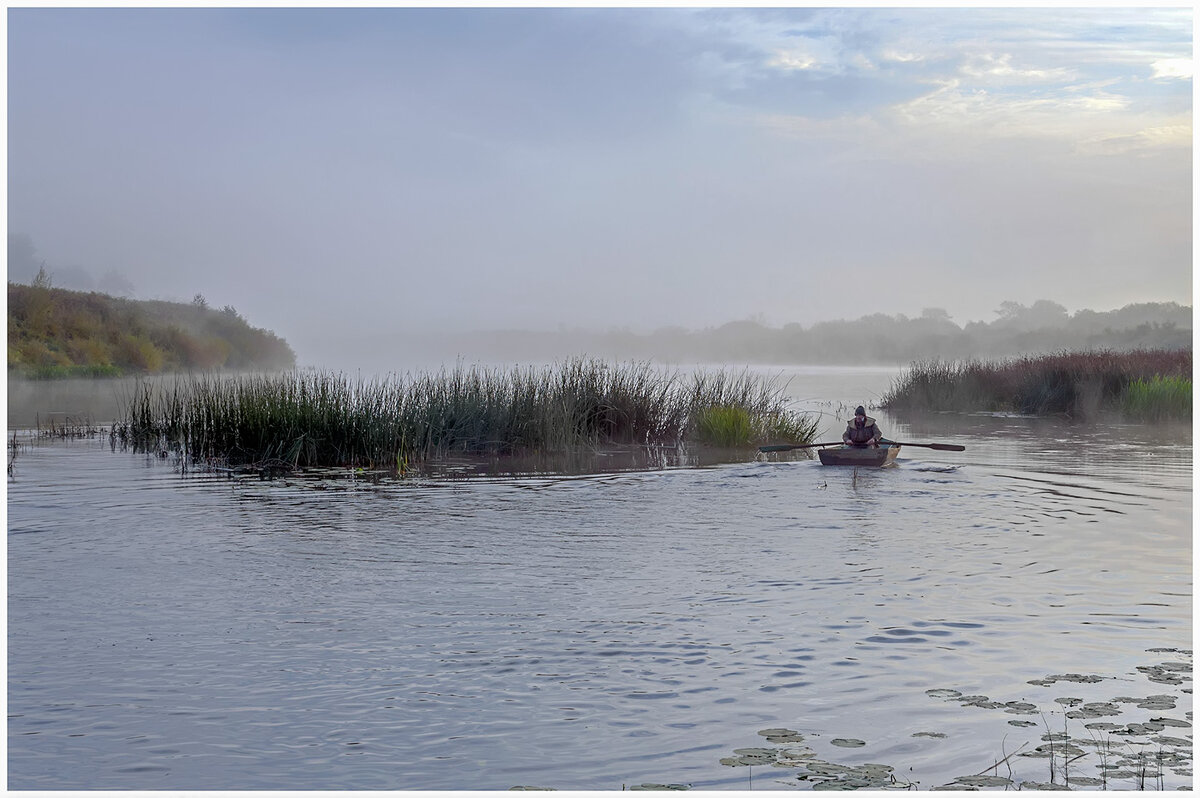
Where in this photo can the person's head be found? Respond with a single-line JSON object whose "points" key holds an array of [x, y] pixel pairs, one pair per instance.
{"points": [[860, 413]]}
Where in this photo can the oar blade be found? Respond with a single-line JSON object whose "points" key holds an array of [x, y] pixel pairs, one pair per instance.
{"points": [[948, 447]]}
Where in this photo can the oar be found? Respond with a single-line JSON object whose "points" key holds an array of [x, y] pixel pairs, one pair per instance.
{"points": [[941, 447], [787, 447]]}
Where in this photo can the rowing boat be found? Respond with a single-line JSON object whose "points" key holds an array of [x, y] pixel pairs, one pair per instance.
{"points": [[859, 455]]}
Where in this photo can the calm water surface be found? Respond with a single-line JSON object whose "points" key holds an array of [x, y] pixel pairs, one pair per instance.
{"points": [[616, 628]]}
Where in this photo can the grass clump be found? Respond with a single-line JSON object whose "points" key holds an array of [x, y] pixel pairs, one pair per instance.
{"points": [[1158, 398], [309, 419], [1149, 384], [725, 426]]}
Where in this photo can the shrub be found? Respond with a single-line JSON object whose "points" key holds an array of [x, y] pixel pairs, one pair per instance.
{"points": [[1078, 384]]}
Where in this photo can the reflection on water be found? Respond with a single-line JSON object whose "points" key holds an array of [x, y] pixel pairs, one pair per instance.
{"points": [[619, 627]]}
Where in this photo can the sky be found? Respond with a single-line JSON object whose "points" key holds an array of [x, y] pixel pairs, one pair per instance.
{"points": [[335, 173]]}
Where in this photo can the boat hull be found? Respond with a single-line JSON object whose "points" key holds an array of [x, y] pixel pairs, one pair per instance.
{"points": [[868, 456]]}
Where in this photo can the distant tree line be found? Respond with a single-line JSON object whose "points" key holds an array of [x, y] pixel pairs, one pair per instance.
{"points": [[879, 339], [55, 332]]}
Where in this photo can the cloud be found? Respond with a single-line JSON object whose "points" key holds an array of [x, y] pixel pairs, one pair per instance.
{"points": [[999, 67], [1173, 68]]}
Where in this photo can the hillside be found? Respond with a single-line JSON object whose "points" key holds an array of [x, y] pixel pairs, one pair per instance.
{"points": [[878, 339], [54, 332]]}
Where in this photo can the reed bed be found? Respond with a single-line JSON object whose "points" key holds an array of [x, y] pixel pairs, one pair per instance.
{"points": [[313, 419], [1150, 384]]}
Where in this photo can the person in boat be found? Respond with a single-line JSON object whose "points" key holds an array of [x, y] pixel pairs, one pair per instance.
{"points": [[862, 430]]}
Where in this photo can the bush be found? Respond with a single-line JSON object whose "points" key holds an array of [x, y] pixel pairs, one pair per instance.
{"points": [[1078, 384]]}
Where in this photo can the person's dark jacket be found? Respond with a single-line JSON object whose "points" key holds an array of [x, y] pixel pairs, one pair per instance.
{"points": [[865, 433]]}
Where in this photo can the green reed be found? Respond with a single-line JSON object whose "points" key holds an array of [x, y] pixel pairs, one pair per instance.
{"points": [[1080, 384], [1158, 398], [327, 419]]}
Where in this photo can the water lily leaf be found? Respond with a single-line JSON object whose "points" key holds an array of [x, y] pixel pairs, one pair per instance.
{"points": [[1182, 724], [1174, 741], [1085, 781], [983, 781], [943, 693], [543, 789], [823, 768], [777, 732], [938, 735], [846, 742], [1021, 723], [769, 753]]}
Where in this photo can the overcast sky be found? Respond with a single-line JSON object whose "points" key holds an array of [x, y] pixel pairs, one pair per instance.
{"points": [[360, 171]]}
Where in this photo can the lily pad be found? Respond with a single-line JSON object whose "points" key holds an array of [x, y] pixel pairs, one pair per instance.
{"points": [[1173, 741], [937, 735], [1022, 723], [983, 781], [1182, 724], [847, 742], [1157, 702], [943, 693], [1094, 710], [1086, 781], [782, 735]]}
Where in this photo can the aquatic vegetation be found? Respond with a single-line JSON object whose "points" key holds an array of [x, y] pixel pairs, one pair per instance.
{"points": [[1158, 398], [1150, 384], [313, 419], [1140, 754], [67, 428]]}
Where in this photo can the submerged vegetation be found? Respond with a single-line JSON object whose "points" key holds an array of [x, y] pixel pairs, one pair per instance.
{"points": [[313, 419], [1146, 384]]}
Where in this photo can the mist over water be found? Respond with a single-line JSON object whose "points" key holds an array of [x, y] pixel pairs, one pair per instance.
{"points": [[588, 631]]}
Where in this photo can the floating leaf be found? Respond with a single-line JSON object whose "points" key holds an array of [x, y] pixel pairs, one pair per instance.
{"points": [[943, 693], [983, 781], [1085, 781], [1175, 741], [782, 735], [938, 735], [1182, 724], [847, 742]]}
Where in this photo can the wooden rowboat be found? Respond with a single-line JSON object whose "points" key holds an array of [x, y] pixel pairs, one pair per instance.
{"points": [[868, 456]]}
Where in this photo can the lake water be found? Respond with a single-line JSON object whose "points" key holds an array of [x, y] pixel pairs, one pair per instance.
{"points": [[748, 622]]}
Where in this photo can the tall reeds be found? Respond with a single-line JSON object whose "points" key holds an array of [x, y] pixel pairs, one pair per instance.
{"points": [[325, 419], [1146, 384]]}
